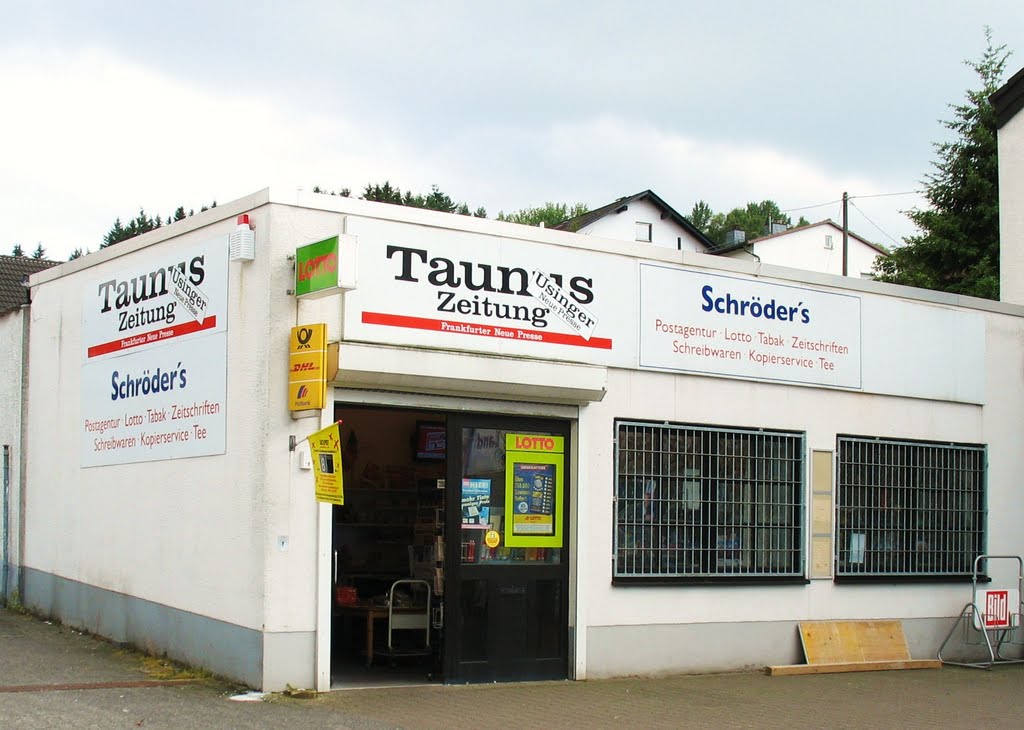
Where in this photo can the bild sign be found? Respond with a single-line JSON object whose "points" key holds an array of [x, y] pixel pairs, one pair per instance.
{"points": [[699, 322]]}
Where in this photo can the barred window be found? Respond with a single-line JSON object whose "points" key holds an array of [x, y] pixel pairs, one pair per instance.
{"points": [[700, 503], [907, 508]]}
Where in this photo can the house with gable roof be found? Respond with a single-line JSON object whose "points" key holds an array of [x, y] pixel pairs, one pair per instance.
{"points": [[644, 218], [816, 247]]}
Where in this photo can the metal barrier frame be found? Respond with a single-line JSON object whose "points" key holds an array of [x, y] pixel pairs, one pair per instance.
{"points": [[1000, 635]]}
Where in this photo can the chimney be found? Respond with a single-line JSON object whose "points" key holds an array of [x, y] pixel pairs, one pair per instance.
{"points": [[735, 237]]}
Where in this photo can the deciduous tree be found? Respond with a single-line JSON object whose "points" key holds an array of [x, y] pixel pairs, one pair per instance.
{"points": [[550, 214]]}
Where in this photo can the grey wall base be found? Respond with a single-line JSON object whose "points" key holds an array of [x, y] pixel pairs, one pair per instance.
{"points": [[220, 647], [614, 651]]}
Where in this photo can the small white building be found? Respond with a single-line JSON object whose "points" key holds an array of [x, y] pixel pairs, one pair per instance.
{"points": [[603, 457], [644, 218], [14, 330], [1008, 103], [815, 247]]}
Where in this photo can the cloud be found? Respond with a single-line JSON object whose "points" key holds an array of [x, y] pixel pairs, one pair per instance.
{"points": [[94, 136], [601, 159]]}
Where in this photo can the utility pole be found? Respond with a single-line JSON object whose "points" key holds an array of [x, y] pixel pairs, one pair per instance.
{"points": [[846, 231]]}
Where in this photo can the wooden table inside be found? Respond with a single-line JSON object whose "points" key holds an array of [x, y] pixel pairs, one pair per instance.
{"points": [[372, 612]]}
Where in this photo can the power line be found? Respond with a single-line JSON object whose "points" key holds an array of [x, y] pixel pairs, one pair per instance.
{"points": [[808, 207], [887, 195], [852, 197], [895, 242]]}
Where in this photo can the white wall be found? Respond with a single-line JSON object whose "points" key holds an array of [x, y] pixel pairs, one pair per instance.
{"points": [[202, 534], [664, 233], [11, 331], [186, 533], [804, 248], [821, 414], [231, 537], [1011, 210]]}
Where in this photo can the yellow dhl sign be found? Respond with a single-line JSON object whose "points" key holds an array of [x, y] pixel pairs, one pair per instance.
{"points": [[307, 367]]}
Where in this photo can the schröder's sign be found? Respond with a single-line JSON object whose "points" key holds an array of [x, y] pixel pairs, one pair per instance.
{"points": [[698, 322], [316, 268]]}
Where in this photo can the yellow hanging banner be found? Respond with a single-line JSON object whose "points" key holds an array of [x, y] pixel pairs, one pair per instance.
{"points": [[325, 449]]}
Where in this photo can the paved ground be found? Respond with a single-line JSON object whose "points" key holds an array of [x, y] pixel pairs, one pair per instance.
{"points": [[52, 677]]}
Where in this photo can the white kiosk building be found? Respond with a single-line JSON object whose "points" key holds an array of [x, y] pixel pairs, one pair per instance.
{"points": [[602, 457], [593, 457]]}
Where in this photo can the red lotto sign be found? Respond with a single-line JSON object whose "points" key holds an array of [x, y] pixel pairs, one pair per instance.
{"points": [[997, 609]]}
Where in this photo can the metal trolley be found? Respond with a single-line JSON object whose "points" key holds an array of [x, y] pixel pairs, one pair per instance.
{"points": [[413, 617], [992, 619]]}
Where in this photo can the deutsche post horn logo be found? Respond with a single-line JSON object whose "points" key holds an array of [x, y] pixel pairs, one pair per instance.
{"points": [[304, 335]]}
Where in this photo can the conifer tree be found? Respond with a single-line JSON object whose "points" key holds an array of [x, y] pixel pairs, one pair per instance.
{"points": [[957, 249]]}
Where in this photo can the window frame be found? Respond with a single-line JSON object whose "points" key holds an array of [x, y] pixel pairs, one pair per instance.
{"points": [[648, 231], [765, 529], [923, 510]]}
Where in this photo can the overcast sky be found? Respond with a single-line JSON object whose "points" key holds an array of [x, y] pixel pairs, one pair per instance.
{"points": [[106, 107]]}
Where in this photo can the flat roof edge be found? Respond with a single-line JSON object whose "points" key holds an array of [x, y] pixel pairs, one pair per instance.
{"points": [[223, 212], [582, 242]]}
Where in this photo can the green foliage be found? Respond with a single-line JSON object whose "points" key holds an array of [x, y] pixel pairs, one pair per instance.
{"points": [[39, 253], [701, 216], [343, 192], [143, 223], [76, 254], [437, 200], [384, 193], [550, 214], [17, 250], [754, 220], [957, 250], [14, 604], [434, 200]]}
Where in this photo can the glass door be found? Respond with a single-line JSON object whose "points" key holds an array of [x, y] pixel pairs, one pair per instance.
{"points": [[508, 553]]}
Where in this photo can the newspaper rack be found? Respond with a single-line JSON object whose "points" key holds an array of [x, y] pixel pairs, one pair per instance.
{"points": [[992, 619]]}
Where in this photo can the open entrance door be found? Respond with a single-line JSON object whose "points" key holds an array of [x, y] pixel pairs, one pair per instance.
{"points": [[508, 556], [387, 572], [451, 552]]}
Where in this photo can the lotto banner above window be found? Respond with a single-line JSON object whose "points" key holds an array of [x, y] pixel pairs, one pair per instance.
{"points": [[534, 481], [307, 367]]}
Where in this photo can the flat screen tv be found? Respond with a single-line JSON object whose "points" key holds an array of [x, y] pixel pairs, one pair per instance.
{"points": [[430, 441]]}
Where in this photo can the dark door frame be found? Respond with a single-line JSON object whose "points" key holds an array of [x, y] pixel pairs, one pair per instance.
{"points": [[456, 572]]}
